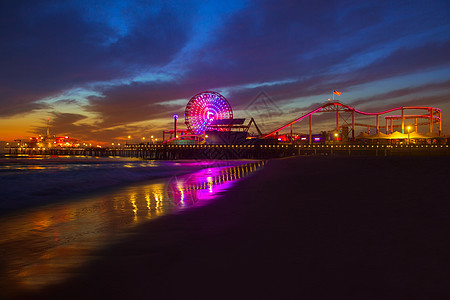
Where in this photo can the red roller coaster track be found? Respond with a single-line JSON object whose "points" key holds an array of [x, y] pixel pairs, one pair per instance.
{"points": [[433, 115]]}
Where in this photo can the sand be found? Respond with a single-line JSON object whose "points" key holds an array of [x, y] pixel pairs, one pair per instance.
{"points": [[304, 227]]}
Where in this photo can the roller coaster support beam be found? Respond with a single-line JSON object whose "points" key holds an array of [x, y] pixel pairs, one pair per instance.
{"points": [[440, 123], [292, 140], [310, 129], [403, 120], [431, 120], [337, 118], [256, 126], [353, 124], [378, 124]]}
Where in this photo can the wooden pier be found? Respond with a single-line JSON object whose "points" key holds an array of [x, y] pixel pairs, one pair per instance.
{"points": [[171, 152]]}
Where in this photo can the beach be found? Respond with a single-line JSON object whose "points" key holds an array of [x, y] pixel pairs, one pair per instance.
{"points": [[303, 227]]}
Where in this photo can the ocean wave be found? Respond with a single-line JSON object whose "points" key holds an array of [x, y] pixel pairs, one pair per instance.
{"points": [[30, 181]]}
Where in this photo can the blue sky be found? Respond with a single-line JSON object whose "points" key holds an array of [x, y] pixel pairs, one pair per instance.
{"points": [[103, 70]]}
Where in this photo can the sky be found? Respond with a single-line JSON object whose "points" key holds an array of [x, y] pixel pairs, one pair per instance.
{"points": [[101, 71]]}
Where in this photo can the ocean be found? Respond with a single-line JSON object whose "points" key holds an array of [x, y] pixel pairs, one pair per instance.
{"points": [[26, 181], [57, 211]]}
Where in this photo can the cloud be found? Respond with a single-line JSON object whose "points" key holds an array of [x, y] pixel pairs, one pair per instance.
{"points": [[401, 62], [134, 103], [47, 51], [271, 42], [13, 109], [421, 101], [61, 123], [406, 61], [61, 119], [409, 91]]}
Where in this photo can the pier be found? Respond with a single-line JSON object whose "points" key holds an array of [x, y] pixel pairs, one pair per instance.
{"points": [[226, 151], [213, 133]]}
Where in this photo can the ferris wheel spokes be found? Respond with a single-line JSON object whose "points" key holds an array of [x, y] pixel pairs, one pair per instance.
{"points": [[203, 108]]}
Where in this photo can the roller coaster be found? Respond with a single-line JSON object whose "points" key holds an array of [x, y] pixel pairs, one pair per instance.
{"points": [[346, 118], [210, 114]]}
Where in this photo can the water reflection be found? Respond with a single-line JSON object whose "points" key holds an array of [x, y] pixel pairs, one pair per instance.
{"points": [[200, 187], [45, 245]]}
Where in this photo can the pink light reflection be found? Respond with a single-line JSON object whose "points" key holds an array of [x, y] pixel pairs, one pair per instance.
{"points": [[199, 188]]}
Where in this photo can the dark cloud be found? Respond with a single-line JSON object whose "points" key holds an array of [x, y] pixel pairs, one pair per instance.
{"points": [[61, 119], [410, 91], [405, 61], [76, 126], [153, 41], [66, 102], [400, 62], [43, 52], [421, 101], [12, 109], [134, 103], [270, 42], [140, 98], [60, 123]]}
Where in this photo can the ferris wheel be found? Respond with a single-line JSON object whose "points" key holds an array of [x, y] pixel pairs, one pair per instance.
{"points": [[204, 108]]}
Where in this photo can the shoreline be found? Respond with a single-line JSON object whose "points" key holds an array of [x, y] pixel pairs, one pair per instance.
{"points": [[303, 226], [64, 191], [46, 245]]}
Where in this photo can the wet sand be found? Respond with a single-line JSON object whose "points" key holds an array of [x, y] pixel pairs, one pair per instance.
{"points": [[306, 227], [45, 245]]}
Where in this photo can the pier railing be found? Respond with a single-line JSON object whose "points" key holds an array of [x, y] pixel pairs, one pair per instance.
{"points": [[170, 152]]}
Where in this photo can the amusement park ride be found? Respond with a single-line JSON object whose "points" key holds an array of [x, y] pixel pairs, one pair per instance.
{"points": [[209, 119], [212, 132]]}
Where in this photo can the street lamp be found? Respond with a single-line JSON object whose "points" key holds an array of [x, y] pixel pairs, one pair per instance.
{"points": [[175, 118], [336, 136], [129, 137]]}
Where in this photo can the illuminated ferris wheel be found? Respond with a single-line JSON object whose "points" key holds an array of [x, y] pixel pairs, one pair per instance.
{"points": [[204, 108]]}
